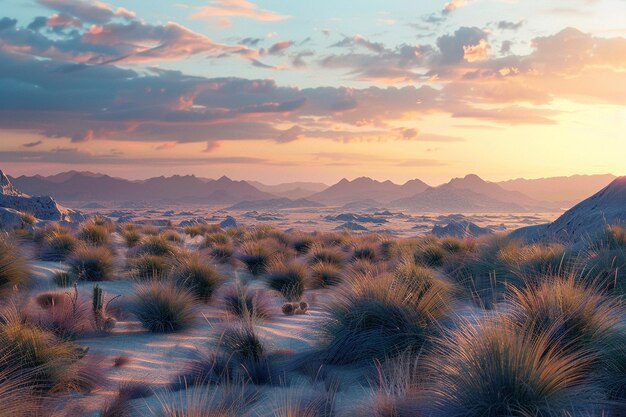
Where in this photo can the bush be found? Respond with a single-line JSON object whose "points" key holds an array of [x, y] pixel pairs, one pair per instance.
{"points": [[412, 274], [94, 234], [131, 237], [429, 254], [13, 268], [607, 269], [579, 318], [378, 316], [485, 273], [37, 353], [27, 219], [147, 266], [329, 255], [242, 343], [164, 308], [222, 253], [172, 236], [367, 252], [325, 275], [198, 276], [242, 302], [493, 369], [288, 278], [89, 263], [256, 256], [217, 238], [57, 246], [154, 245]]}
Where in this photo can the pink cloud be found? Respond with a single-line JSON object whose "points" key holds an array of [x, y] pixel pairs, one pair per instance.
{"points": [[237, 8]]}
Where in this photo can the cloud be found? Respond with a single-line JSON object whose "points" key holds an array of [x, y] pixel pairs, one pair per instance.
{"points": [[279, 47], [73, 156], [452, 6], [32, 144], [237, 8], [127, 41], [506, 25], [88, 11]]}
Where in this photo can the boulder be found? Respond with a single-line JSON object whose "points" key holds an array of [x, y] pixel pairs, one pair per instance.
{"points": [[229, 222], [461, 229]]}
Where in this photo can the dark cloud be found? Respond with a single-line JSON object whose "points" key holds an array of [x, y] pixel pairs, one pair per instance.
{"points": [[506, 25], [32, 144], [7, 23]]}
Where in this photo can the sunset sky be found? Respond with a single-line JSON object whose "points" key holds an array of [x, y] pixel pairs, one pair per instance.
{"points": [[289, 90]]}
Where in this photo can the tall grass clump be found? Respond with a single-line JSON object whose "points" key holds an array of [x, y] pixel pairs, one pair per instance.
{"points": [[131, 237], [94, 234], [493, 369], [327, 254], [579, 317], [485, 273], [13, 268], [46, 360], [429, 253], [172, 236], [216, 238], [92, 263], [154, 245], [256, 255], [288, 278], [147, 266], [243, 302], [194, 273], [324, 275], [57, 245], [164, 308], [377, 316], [222, 252]]}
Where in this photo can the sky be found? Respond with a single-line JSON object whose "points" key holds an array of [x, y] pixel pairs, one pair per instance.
{"points": [[299, 90]]}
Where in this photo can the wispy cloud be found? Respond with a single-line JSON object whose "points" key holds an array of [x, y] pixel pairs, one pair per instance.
{"points": [[237, 8]]}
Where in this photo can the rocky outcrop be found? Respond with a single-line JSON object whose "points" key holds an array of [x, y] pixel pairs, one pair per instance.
{"points": [[42, 207], [461, 229]]}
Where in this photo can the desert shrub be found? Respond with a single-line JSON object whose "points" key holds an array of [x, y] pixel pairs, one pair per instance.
{"points": [[37, 353], [612, 237], [148, 266], [325, 275], [216, 238], [199, 229], [245, 303], [242, 343], [132, 237], [388, 248], [377, 315], [493, 369], [330, 255], [150, 230], [163, 308], [579, 318], [17, 398], [27, 218], [531, 262], [94, 234], [56, 246], [63, 279], [256, 255], [13, 268], [154, 245], [288, 278], [412, 274], [367, 252], [301, 243], [64, 314], [484, 273], [430, 254], [107, 224], [222, 253], [606, 268], [194, 273], [89, 263], [172, 236]]}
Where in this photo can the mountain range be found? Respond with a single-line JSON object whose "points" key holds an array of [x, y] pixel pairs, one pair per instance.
{"points": [[467, 194]]}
